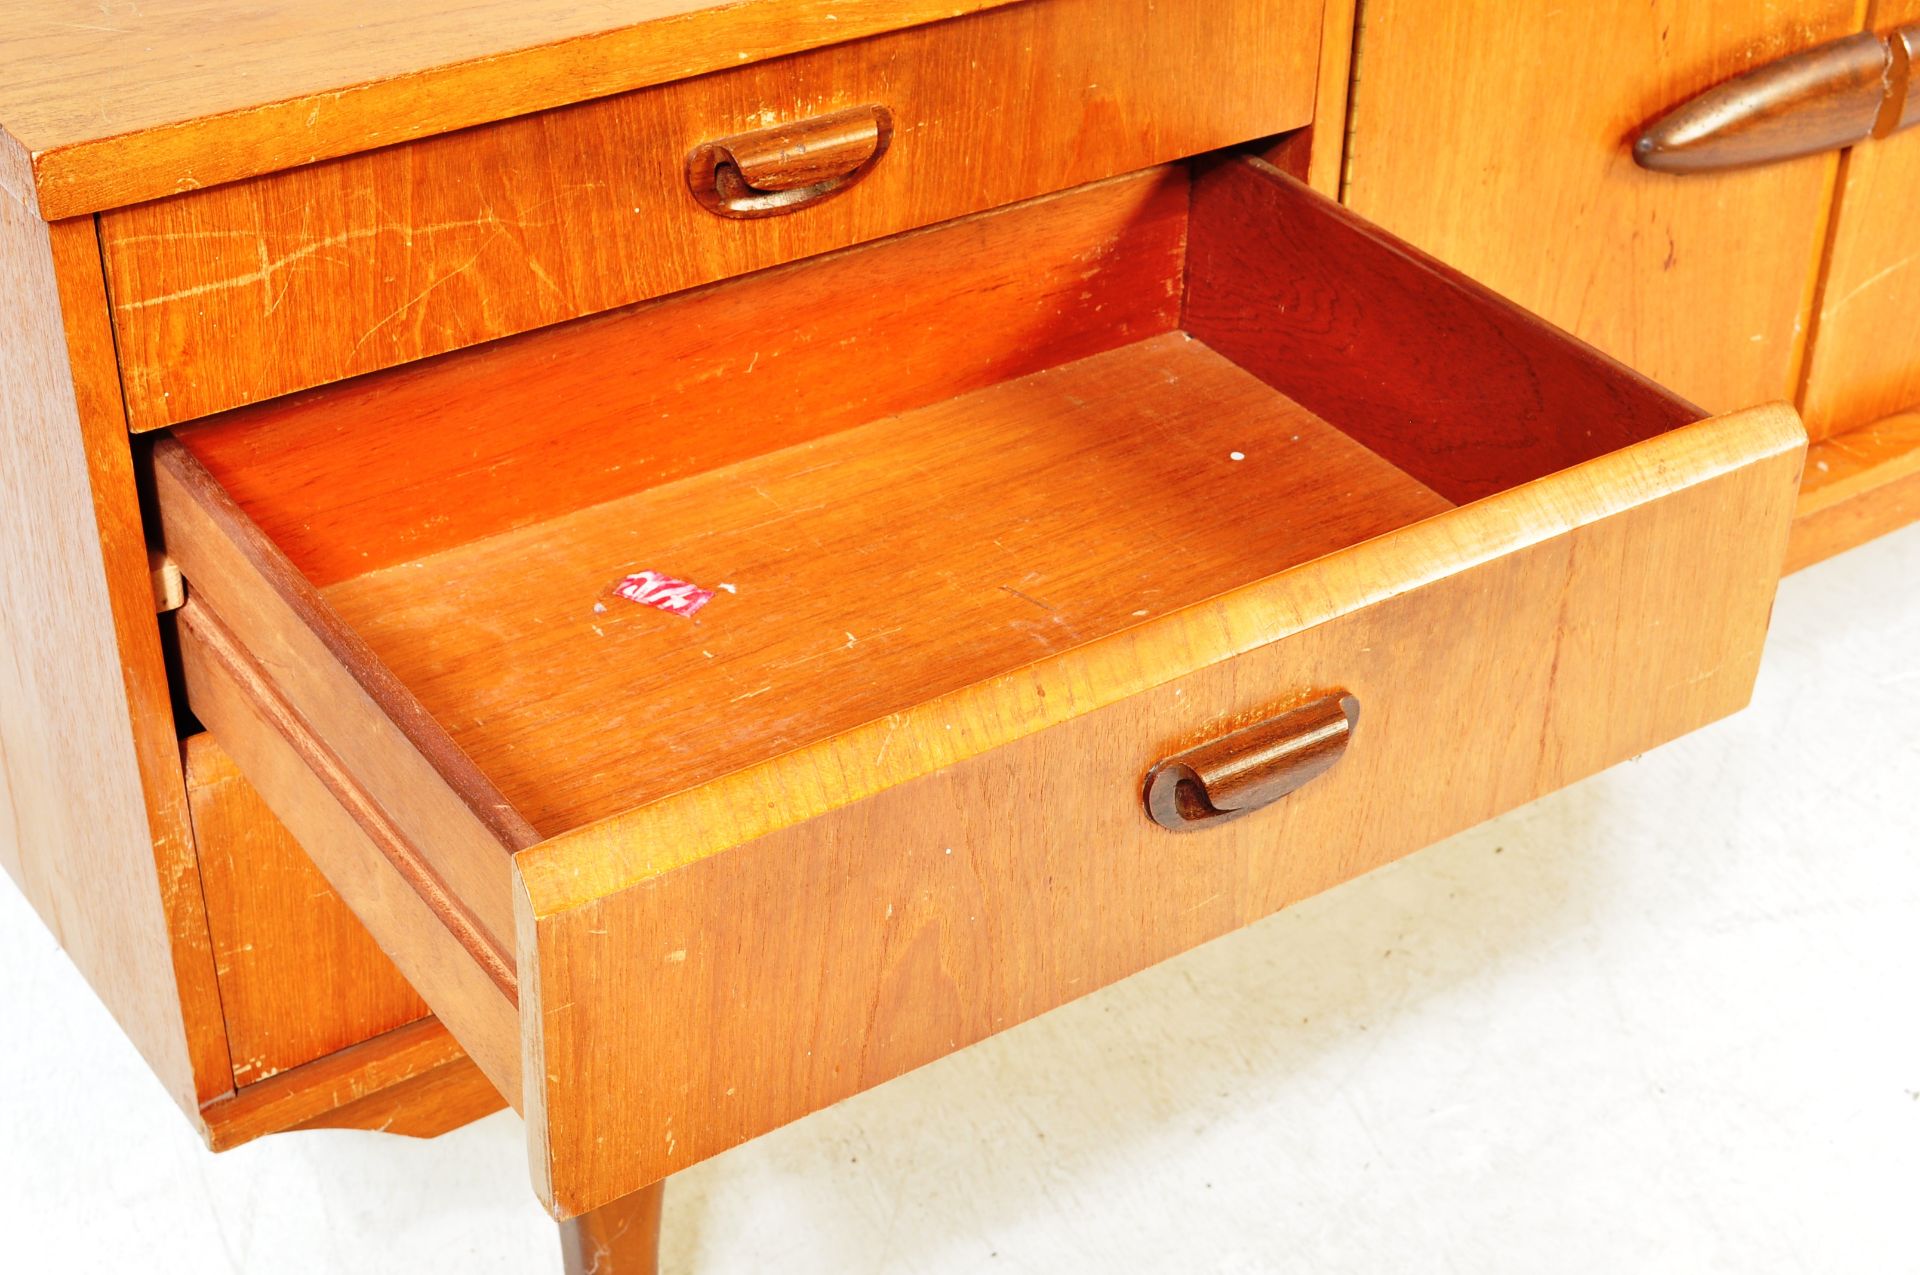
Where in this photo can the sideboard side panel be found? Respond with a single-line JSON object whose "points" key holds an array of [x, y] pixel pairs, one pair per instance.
{"points": [[92, 805]]}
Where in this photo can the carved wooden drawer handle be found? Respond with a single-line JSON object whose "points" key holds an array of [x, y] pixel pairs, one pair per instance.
{"points": [[1253, 767], [790, 166], [1817, 100]]}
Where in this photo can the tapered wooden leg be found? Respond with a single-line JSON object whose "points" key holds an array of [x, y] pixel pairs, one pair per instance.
{"points": [[622, 1238]]}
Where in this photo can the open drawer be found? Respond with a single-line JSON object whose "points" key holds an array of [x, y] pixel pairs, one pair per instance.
{"points": [[997, 517]]}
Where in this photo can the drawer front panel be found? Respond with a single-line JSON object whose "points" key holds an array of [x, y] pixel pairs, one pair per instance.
{"points": [[1558, 633], [246, 291], [299, 977]]}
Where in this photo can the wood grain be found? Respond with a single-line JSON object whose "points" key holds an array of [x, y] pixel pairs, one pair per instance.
{"points": [[233, 295], [275, 749], [300, 978], [1452, 383], [1326, 165], [966, 868], [82, 688], [1496, 137], [1823, 98], [1317, 153], [106, 105], [425, 1105], [126, 558], [1864, 362], [620, 1238], [1860, 484], [866, 573], [414, 1080], [432, 455]]}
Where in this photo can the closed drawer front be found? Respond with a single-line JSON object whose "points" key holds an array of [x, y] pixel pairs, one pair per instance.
{"points": [[1108, 476], [247, 291], [299, 977]]}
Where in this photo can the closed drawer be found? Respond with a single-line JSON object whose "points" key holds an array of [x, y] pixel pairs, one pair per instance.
{"points": [[994, 517], [250, 290], [299, 977]]}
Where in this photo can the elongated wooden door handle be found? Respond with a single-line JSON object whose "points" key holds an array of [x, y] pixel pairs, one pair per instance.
{"points": [[789, 166], [1821, 99], [1253, 767]]}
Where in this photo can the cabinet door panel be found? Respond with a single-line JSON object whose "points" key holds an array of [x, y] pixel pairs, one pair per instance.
{"points": [[1496, 137], [1865, 360]]}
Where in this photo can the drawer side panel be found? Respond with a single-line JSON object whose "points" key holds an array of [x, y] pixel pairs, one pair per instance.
{"points": [[408, 774], [229, 696]]}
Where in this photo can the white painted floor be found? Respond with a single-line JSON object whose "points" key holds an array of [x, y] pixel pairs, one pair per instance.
{"points": [[1666, 1020]]}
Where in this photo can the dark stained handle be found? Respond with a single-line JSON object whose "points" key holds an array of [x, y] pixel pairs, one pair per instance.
{"points": [[1818, 100], [1253, 767], [790, 166]]}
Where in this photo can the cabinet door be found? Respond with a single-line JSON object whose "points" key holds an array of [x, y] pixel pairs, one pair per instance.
{"points": [[1865, 361], [1496, 136]]}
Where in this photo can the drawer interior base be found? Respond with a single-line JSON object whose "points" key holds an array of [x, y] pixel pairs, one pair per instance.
{"points": [[863, 573]]}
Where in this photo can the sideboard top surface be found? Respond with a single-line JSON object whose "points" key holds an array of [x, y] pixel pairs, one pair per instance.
{"points": [[105, 103]]}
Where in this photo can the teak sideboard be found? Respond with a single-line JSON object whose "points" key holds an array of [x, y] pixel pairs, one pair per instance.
{"points": [[663, 564]]}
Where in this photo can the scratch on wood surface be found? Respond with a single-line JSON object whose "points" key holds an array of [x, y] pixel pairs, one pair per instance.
{"points": [[893, 727], [540, 273], [427, 291], [1871, 281], [1028, 597], [1697, 678], [270, 266]]}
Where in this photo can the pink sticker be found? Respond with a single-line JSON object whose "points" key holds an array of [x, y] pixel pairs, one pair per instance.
{"points": [[663, 593]]}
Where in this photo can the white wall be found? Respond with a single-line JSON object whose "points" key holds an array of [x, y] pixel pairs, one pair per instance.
{"points": [[1667, 1020]]}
